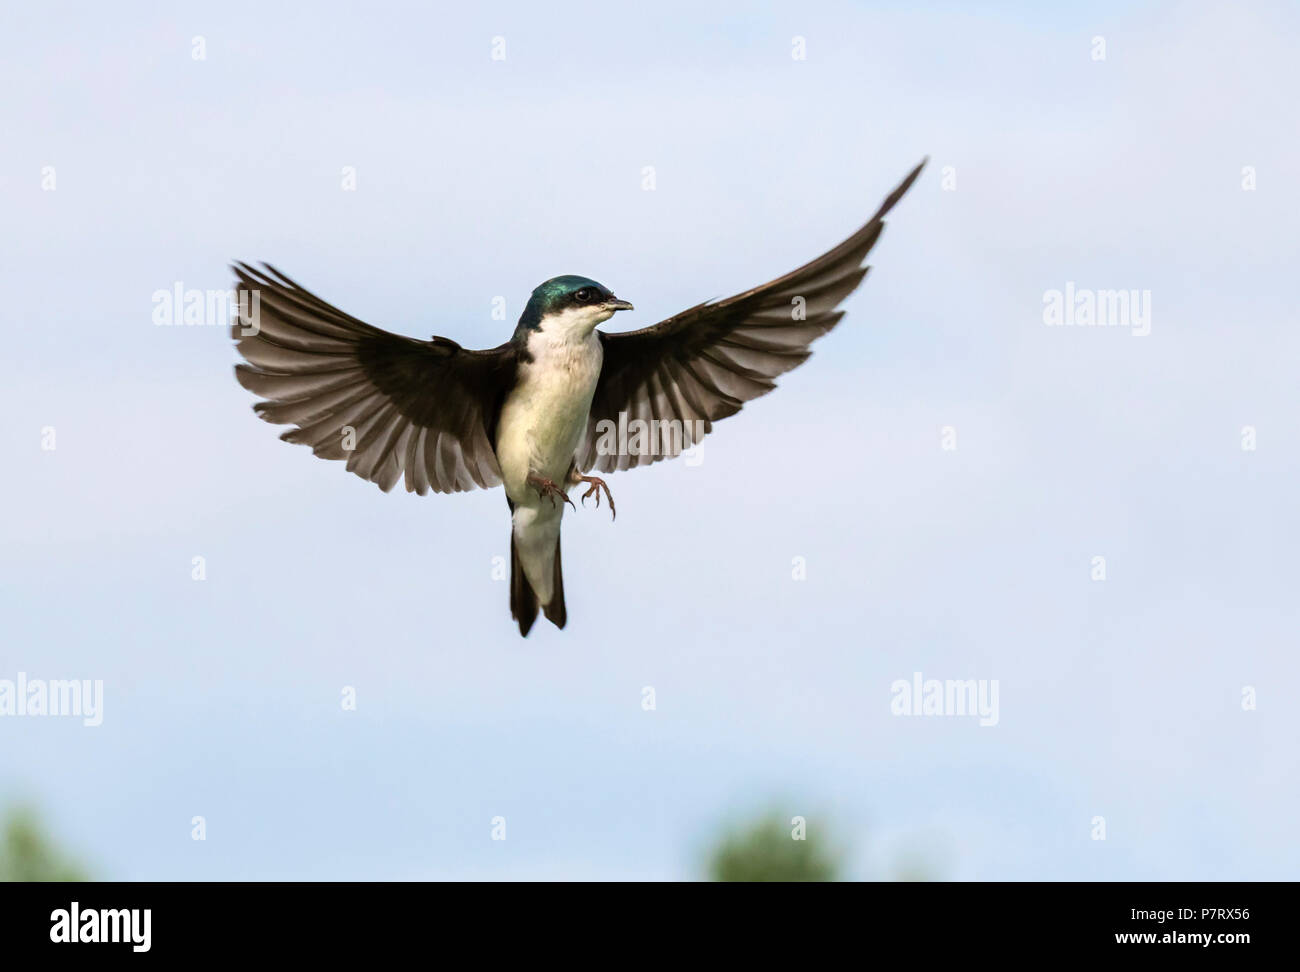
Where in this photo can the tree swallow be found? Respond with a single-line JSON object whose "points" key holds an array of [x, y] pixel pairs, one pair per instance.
{"points": [[538, 413]]}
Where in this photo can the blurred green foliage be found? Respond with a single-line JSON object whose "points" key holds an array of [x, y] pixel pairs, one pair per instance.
{"points": [[766, 850], [26, 854]]}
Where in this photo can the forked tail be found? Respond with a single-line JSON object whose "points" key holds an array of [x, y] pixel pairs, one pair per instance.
{"points": [[524, 604]]}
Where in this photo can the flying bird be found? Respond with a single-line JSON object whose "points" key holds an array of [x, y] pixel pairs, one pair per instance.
{"points": [[540, 412]]}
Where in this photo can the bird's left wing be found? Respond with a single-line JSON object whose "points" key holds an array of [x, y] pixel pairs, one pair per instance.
{"points": [[388, 405], [664, 386]]}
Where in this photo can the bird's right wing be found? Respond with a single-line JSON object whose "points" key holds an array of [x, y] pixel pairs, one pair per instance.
{"points": [[391, 406]]}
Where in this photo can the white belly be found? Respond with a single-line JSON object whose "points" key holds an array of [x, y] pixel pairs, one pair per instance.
{"points": [[544, 418]]}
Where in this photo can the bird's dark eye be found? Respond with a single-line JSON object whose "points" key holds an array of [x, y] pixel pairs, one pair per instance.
{"points": [[583, 296]]}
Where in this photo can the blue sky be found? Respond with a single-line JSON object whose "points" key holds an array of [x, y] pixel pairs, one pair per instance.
{"points": [[479, 178]]}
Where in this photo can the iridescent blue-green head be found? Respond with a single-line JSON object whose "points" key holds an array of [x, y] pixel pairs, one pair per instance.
{"points": [[568, 304]]}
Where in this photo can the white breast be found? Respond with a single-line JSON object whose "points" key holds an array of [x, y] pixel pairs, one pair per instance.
{"points": [[545, 416]]}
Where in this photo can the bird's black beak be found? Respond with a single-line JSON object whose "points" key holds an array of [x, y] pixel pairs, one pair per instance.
{"points": [[615, 304]]}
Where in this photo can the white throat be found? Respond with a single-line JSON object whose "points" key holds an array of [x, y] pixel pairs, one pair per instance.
{"points": [[573, 324]]}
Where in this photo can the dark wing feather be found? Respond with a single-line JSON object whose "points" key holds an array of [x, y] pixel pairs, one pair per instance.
{"points": [[703, 364], [423, 410]]}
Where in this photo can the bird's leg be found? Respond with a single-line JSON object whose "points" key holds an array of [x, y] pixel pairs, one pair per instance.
{"points": [[546, 487], [597, 484]]}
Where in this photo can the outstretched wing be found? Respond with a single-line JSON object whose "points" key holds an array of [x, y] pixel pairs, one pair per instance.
{"points": [[683, 374], [388, 405]]}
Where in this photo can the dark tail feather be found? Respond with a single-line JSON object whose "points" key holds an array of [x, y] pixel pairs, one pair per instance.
{"points": [[555, 611], [523, 602]]}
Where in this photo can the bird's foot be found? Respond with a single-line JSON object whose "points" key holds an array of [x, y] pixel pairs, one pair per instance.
{"points": [[597, 484], [546, 487]]}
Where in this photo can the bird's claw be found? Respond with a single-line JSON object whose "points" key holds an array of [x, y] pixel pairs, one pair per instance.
{"points": [[546, 487], [597, 484]]}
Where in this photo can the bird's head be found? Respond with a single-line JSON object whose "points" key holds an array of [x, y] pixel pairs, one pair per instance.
{"points": [[569, 304]]}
